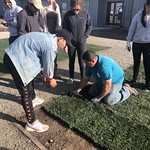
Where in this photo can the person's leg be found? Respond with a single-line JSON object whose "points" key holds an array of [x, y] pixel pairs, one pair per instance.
{"points": [[95, 89], [72, 54], [55, 67], [81, 48], [146, 62], [117, 94], [136, 50], [27, 92]]}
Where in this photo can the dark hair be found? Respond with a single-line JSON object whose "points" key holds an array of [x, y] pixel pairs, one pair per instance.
{"points": [[143, 18], [88, 55], [73, 3], [54, 5]]}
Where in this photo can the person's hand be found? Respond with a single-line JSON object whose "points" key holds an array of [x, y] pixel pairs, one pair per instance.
{"points": [[66, 49], [95, 99], [128, 46], [73, 93], [4, 23], [52, 82]]}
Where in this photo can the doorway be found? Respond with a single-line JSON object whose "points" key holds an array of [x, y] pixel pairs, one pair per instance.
{"points": [[114, 13]]}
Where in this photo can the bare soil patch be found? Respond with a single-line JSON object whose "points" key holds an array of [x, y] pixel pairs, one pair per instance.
{"points": [[60, 136]]}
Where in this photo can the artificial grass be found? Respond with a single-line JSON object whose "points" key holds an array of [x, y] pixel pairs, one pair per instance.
{"points": [[124, 126], [63, 56], [3, 44]]}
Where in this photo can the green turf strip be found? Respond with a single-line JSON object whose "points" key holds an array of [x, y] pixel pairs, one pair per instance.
{"points": [[101, 123], [124, 126]]}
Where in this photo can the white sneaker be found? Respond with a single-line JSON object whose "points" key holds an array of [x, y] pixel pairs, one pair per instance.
{"points": [[37, 101], [70, 81], [36, 126], [133, 91]]}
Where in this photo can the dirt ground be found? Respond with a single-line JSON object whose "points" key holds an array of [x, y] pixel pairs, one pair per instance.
{"points": [[59, 136]]}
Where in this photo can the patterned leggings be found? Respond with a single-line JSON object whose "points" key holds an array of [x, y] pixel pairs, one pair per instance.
{"points": [[27, 92]]}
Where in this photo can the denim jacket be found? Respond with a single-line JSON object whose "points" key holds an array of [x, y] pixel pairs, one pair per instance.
{"points": [[31, 53]]}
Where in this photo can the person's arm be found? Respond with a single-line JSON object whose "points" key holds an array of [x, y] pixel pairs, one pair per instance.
{"points": [[48, 62], [65, 22], [88, 25], [59, 16], [42, 19], [21, 23], [105, 90], [82, 84], [132, 29], [48, 58], [14, 22]]}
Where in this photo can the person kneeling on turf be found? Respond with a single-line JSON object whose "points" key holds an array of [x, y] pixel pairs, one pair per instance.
{"points": [[109, 78]]}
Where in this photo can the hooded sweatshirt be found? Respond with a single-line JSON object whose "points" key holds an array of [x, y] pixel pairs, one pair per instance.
{"points": [[10, 16], [137, 32], [49, 19]]}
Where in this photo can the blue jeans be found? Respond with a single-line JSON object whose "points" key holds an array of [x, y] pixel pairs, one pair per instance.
{"points": [[117, 94]]}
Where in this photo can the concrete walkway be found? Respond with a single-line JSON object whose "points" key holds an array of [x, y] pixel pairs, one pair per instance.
{"points": [[12, 137], [4, 35]]}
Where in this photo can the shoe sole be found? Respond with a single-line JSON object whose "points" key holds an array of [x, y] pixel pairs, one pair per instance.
{"points": [[132, 90], [33, 130], [36, 104]]}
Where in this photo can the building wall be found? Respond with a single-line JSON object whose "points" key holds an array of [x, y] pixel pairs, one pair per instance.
{"points": [[97, 9], [131, 8]]}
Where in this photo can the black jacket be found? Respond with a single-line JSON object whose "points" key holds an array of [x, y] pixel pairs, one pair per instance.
{"points": [[79, 25]]}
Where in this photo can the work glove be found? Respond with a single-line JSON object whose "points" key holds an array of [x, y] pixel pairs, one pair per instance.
{"points": [[128, 46], [95, 100], [74, 93]]}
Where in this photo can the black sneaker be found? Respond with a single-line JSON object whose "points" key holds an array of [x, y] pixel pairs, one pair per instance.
{"points": [[147, 89], [133, 82]]}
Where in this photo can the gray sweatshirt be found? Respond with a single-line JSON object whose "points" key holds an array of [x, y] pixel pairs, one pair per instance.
{"points": [[137, 33]]}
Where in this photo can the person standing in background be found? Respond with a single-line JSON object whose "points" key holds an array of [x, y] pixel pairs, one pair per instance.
{"points": [[139, 33], [10, 17], [50, 21], [27, 20], [49, 17], [78, 22]]}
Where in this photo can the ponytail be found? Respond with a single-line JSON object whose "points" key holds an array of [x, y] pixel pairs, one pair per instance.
{"points": [[143, 18]]}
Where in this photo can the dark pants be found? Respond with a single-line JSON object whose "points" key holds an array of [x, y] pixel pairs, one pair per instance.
{"points": [[138, 49], [27, 92], [12, 39], [80, 48]]}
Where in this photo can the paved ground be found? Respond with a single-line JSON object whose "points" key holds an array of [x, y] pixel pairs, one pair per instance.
{"points": [[11, 138]]}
